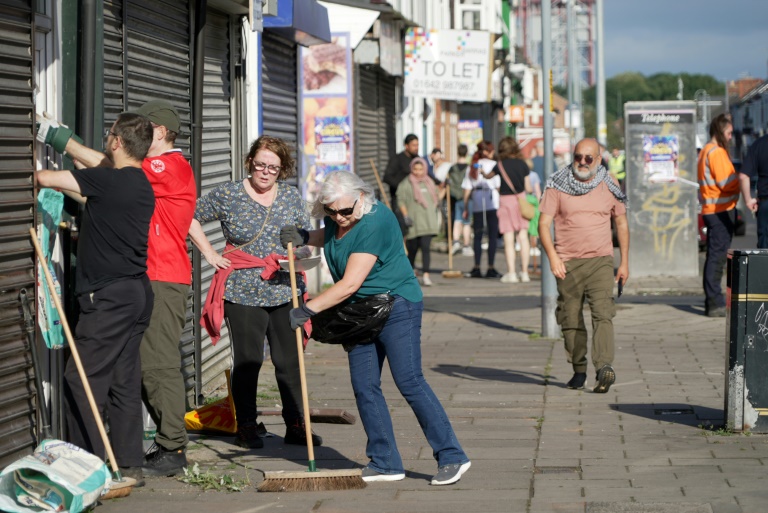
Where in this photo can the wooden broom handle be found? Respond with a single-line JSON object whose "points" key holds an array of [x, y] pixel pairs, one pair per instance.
{"points": [[73, 347], [300, 349], [381, 185], [450, 226]]}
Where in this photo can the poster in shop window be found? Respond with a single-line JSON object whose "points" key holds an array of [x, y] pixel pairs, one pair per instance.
{"points": [[448, 64], [326, 111]]}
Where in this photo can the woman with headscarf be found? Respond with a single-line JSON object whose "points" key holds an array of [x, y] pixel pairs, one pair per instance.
{"points": [[418, 199]]}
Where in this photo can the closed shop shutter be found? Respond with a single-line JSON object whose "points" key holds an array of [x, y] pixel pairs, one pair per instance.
{"points": [[280, 114], [17, 409], [147, 56], [376, 120], [387, 117], [367, 127], [217, 164]]}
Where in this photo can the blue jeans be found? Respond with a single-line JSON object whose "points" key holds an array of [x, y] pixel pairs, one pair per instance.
{"points": [[400, 343], [762, 224]]}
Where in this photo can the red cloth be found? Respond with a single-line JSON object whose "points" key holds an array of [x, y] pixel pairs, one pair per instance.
{"points": [[213, 311]]}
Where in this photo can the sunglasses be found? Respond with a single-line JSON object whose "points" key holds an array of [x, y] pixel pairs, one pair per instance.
{"points": [[589, 159], [346, 212], [261, 166]]}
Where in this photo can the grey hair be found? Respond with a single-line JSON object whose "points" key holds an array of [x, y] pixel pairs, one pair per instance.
{"points": [[340, 184]]}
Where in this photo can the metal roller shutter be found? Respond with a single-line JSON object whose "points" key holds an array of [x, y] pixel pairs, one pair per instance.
{"points": [[376, 120], [217, 163], [387, 117], [367, 127], [147, 56], [279, 91], [17, 200]]}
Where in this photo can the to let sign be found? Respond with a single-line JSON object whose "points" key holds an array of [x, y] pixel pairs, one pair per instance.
{"points": [[448, 64]]}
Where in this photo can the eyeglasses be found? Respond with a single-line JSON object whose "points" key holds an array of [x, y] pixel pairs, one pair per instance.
{"points": [[589, 159], [346, 212], [261, 166], [108, 132]]}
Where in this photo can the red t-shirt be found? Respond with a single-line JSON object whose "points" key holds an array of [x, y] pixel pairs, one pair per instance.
{"points": [[582, 223], [173, 182]]}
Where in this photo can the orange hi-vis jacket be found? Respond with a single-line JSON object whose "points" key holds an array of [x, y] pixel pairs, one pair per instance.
{"points": [[718, 180]]}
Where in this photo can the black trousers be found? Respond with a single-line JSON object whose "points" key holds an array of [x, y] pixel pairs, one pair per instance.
{"points": [[419, 243], [108, 335], [720, 227], [492, 220], [248, 325]]}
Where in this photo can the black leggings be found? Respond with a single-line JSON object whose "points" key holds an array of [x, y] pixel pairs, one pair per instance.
{"points": [[492, 219], [248, 325], [413, 246]]}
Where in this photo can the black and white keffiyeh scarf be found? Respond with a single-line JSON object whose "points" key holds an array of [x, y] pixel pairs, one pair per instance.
{"points": [[564, 181]]}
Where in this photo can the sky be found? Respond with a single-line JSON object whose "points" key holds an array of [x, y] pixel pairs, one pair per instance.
{"points": [[722, 38]]}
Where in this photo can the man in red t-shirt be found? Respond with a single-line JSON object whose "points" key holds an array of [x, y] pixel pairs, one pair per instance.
{"points": [[169, 271], [581, 199]]}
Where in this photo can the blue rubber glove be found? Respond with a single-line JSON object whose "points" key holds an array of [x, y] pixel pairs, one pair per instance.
{"points": [[291, 233], [50, 132], [298, 316]]}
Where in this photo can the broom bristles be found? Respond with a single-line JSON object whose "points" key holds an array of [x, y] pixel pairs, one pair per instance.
{"points": [[323, 480]]}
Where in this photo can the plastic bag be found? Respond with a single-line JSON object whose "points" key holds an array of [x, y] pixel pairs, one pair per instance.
{"points": [[58, 476], [353, 323]]}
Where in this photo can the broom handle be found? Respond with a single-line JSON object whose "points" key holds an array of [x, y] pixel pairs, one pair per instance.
{"points": [[302, 375], [381, 185], [450, 232], [75, 354]]}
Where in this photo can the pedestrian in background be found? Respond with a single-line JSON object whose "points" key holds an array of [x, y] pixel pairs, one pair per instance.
{"points": [[397, 170], [515, 184], [581, 199], [249, 289], [461, 226], [365, 257], [755, 166], [418, 199], [616, 166], [484, 193], [719, 186]]}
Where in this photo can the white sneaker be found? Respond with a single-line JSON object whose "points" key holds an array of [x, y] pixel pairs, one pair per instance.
{"points": [[524, 277], [517, 246], [509, 278], [456, 247], [426, 281], [467, 251], [535, 251], [484, 246], [372, 476]]}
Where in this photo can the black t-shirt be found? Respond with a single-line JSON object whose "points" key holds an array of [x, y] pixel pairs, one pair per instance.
{"points": [[756, 165], [516, 170], [115, 227]]}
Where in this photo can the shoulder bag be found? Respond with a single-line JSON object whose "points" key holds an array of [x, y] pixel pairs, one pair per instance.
{"points": [[353, 323], [527, 210]]}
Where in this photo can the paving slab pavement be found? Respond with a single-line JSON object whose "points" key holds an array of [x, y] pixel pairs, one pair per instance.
{"points": [[536, 447]]}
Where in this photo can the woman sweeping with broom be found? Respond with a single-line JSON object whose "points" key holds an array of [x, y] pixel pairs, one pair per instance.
{"points": [[364, 251]]}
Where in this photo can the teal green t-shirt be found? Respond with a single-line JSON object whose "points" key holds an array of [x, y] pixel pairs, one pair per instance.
{"points": [[377, 233]]}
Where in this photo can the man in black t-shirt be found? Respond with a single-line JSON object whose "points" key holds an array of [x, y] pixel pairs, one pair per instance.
{"points": [[397, 170], [113, 291], [756, 167]]}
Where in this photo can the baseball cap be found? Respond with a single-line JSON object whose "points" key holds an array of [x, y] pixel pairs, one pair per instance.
{"points": [[161, 112]]}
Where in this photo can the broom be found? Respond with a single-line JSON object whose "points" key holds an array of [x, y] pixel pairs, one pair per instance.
{"points": [[450, 273], [312, 480], [120, 486]]}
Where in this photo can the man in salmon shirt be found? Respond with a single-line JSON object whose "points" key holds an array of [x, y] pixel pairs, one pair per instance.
{"points": [[169, 271], [581, 199]]}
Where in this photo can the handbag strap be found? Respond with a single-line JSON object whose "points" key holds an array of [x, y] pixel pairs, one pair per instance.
{"points": [[506, 177], [264, 225]]}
